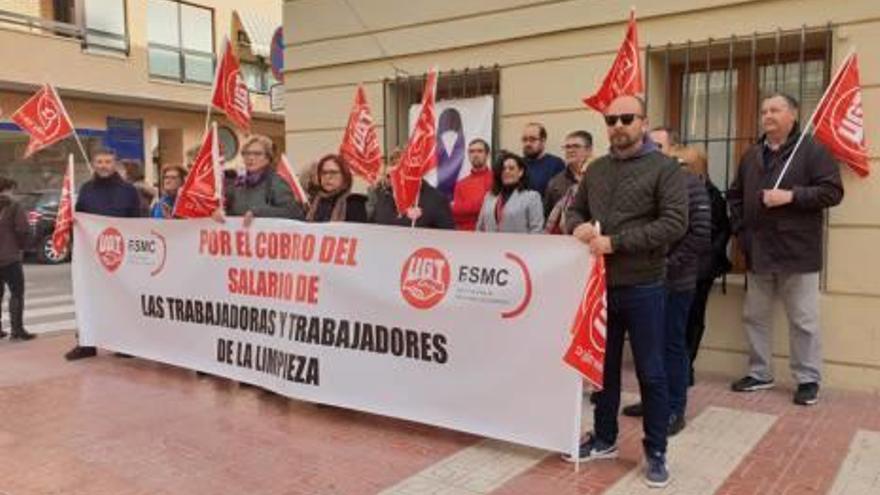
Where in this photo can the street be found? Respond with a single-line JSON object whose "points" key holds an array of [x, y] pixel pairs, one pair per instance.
{"points": [[48, 299]]}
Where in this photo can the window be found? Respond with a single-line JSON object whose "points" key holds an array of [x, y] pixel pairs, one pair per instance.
{"points": [[711, 91], [402, 92], [714, 89], [257, 75], [181, 41], [106, 28]]}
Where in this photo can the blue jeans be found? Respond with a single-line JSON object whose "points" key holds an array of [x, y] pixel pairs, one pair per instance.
{"points": [[678, 305], [638, 310]]}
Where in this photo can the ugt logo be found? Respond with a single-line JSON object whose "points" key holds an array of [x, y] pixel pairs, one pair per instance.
{"points": [[110, 249], [424, 279]]}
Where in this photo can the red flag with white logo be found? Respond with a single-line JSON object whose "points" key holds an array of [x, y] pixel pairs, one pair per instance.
{"points": [[360, 144], [201, 194], [285, 171], [64, 218], [625, 75], [44, 118], [839, 122], [231, 93], [586, 353], [420, 155]]}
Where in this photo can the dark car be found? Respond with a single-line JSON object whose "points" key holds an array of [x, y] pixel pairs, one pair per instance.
{"points": [[42, 208]]}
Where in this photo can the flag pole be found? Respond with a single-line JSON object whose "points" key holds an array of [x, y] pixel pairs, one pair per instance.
{"points": [[809, 124], [226, 44], [79, 143]]}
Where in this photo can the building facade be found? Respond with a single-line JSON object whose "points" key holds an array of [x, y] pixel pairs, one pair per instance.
{"points": [[707, 64], [134, 75]]}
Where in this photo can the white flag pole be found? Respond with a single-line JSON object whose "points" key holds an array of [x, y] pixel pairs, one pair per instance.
{"points": [[809, 123]]}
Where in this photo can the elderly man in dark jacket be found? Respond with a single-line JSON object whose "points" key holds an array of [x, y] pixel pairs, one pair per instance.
{"points": [[13, 234], [637, 196], [780, 231]]}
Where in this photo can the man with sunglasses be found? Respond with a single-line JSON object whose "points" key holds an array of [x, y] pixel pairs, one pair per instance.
{"points": [[631, 205]]}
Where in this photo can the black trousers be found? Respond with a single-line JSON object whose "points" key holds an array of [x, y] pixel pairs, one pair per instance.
{"points": [[12, 276], [696, 325]]}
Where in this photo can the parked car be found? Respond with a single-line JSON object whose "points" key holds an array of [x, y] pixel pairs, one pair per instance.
{"points": [[42, 208]]}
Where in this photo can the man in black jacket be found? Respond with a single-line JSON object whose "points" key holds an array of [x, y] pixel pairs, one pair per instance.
{"points": [[106, 193], [780, 231], [683, 262], [637, 196]]}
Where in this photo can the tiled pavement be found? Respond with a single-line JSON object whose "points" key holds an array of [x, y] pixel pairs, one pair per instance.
{"points": [[131, 427]]}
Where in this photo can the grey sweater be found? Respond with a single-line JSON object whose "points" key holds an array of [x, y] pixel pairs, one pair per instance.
{"points": [[522, 213], [641, 203]]}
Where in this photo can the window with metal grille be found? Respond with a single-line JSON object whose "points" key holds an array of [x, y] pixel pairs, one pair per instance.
{"points": [[711, 91], [403, 92]]}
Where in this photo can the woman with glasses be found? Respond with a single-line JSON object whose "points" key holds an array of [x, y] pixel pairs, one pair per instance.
{"points": [[172, 179], [260, 192], [333, 201], [510, 206]]}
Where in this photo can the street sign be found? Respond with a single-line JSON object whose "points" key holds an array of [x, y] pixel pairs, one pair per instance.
{"points": [[276, 97]]}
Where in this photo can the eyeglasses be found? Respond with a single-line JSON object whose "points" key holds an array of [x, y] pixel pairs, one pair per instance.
{"points": [[246, 154], [331, 172], [572, 146], [624, 118]]}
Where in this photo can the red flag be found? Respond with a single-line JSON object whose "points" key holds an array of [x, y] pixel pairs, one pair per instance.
{"points": [[285, 171], [64, 218], [201, 194], [44, 118], [420, 155], [360, 144], [839, 121], [625, 75], [231, 93], [586, 353]]}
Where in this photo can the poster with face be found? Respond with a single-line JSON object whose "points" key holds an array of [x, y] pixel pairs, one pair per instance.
{"points": [[458, 123]]}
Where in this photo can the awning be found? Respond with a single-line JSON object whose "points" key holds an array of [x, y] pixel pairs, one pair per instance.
{"points": [[260, 27]]}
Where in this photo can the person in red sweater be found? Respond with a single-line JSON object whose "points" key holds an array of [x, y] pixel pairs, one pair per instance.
{"points": [[467, 198]]}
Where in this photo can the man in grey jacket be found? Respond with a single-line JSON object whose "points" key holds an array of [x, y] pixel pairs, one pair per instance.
{"points": [[636, 196]]}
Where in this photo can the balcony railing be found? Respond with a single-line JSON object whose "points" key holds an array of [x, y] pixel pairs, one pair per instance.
{"points": [[89, 38]]}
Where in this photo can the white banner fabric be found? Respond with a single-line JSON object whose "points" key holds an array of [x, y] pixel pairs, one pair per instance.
{"points": [[463, 331]]}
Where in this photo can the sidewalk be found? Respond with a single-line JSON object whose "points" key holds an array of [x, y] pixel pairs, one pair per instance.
{"points": [[132, 427]]}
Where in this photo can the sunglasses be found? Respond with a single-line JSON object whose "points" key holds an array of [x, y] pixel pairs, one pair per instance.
{"points": [[624, 118]]}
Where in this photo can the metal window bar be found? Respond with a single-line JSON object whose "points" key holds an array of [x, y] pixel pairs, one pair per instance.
{"points": [[402, 92], [746, 69]]}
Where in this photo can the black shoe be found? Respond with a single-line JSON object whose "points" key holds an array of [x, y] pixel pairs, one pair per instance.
{"points": [[22, 335], [676, 424], [122, 355], [80, 352], [3, 334], [593, 449], [634, 410], [807, 394], [749, 384]]}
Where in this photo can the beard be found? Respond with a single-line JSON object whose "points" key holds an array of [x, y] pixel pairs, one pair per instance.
{"points": [[531, 153], [622, 141]]}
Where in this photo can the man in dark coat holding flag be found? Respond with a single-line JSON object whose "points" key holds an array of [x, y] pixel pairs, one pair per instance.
{"points": [[780, 231]]}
